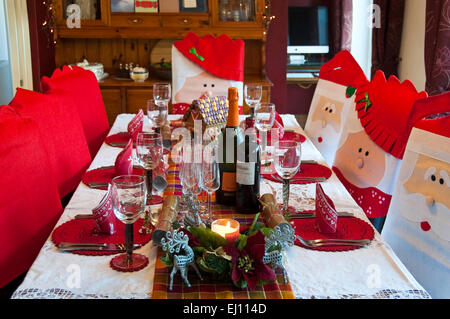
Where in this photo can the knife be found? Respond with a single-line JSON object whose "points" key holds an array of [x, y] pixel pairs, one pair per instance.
{"points": [[94, 247], [98, 185], [312, 215]]}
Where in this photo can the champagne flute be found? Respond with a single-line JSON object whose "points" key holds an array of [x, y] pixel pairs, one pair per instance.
{"points": [[149, 153], [287, 163], [161, 94], [128, 194], [210, 173], [252, 95], [157, 115], [264, 119]]}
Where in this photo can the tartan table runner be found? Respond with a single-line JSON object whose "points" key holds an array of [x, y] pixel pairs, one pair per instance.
{"points": [[208, 288]]}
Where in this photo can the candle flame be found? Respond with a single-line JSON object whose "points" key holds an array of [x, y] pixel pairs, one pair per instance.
{"points": [[228, 225]]}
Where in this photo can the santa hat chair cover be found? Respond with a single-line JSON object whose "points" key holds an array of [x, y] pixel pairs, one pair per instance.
{"points": [[333, 99], [29, 203], [418, 223], [205, 65], [373, 141]]}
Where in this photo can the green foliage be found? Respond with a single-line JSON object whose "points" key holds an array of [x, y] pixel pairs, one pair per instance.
{"points": [[207, 238], [167, 260], [350, 91]]}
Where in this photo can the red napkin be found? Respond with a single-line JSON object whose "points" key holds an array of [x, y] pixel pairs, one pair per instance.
{"points": [[326, 214], [104, 218], [136, 125], [290, 158], [124, 161]]}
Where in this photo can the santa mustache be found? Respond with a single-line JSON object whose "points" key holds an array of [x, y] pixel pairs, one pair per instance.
{"points": [[418, 210]]}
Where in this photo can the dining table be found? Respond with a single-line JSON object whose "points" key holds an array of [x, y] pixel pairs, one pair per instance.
{"points": [[371, 272]]}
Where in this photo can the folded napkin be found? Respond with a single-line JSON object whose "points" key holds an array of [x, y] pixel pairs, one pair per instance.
{"points": [[326, 214], [104, 218], [124, 161], [136, 125], [279, 125]]}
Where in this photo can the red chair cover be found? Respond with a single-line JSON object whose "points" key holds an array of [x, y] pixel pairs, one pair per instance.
{"points": [[29, 199], [83, 87], [62, 133]]}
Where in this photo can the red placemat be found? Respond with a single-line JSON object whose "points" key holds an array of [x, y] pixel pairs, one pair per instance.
{"points": [[347, 228], [118, 140], [289, 136], [307, 170], [82, 231], [105, 175]]}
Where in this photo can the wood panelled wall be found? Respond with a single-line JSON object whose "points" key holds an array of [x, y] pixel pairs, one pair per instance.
{"points": [[112, 52]]}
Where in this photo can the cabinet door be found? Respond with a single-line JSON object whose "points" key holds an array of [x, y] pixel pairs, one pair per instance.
{"points": [[238, 13], [93, 12], [112, 98], [137, 99]]}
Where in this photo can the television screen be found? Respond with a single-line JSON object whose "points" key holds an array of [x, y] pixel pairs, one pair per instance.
{"points": [[308, 30]]}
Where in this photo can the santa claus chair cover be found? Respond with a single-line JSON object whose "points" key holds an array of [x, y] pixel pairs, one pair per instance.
{"points": [[373, 141], [62, 133], [29, 201], [417, 226], [333, 98], [207, 65], [82, 87]]}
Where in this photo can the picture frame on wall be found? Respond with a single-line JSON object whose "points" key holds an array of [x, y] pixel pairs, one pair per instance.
{"points": [[193, 5], [122, 5]]}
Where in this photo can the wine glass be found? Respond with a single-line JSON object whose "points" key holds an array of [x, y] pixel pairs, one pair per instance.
{"points": [[252, 95], [149, 152], [157, 114], [161, 94], [287, 163], [128, 195], [210, 174], [264, 119]]}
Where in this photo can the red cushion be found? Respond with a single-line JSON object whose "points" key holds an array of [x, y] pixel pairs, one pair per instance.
{"points": [[83, 87], [29, 200], [62, 133]]}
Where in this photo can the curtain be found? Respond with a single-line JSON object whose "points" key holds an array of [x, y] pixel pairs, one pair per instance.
{"points": [[387, 38], [437, 46], [341, 18]]}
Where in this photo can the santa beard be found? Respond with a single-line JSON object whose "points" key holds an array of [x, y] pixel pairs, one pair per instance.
{"points": [[414, 208], [329, 140]]}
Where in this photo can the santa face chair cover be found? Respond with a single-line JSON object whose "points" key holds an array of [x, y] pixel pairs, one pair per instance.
{"points": [[418, 223], [205, 66], [332, 101]]}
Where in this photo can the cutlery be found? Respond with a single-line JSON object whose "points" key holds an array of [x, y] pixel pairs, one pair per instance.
{"points": [[303, 161], [312, 215], [98, 185], [84, 216], [313, 243], [95, 247], [301, 179]]}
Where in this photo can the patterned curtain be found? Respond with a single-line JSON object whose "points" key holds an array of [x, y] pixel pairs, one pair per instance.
{"points": [[341, 18], [387, 39], [437, 46]]}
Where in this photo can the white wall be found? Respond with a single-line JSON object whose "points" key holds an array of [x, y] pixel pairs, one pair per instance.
{"points": [[412, 52], [362, 35]]}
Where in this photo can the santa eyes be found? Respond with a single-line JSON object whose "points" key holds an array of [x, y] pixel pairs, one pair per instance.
{"points": [[434, 179], [206, 85], [329, 109], [361, 151]]}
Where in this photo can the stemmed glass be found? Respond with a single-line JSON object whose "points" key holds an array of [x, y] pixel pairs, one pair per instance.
{"points": [[252, 95], [157, 114], [161, 94], [287, 163], [128, 195], [149, 151], [210, 173], [264, 119]]}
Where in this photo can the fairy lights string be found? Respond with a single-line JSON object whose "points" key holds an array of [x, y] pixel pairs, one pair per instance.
{"points": [[48, 25], [267, 16]]}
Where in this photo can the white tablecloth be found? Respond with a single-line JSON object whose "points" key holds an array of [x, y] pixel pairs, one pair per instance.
{"points": [[372, 272]]}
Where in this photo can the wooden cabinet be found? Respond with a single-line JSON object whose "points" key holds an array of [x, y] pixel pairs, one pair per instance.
{"points": [[112, 38]]}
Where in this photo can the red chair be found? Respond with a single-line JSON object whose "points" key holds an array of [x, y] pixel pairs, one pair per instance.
{"points": [[29, 199], [83, 87], [62, 133]]}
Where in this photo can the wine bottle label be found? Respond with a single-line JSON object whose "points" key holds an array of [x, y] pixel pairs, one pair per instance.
{"points": [[245, 173], [229, 182]]}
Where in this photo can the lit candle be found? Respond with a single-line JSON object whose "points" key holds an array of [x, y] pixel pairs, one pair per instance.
{"points": [[227, 228]]}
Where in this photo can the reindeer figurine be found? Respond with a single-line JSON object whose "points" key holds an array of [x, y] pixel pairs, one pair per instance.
{"points": [[282, 236], [174, 243]]}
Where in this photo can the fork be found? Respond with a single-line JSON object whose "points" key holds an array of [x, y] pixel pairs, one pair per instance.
{"points": [[313, 243]]}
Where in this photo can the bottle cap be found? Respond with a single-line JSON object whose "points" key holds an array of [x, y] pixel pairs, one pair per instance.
{"points": [[233, 108]]}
